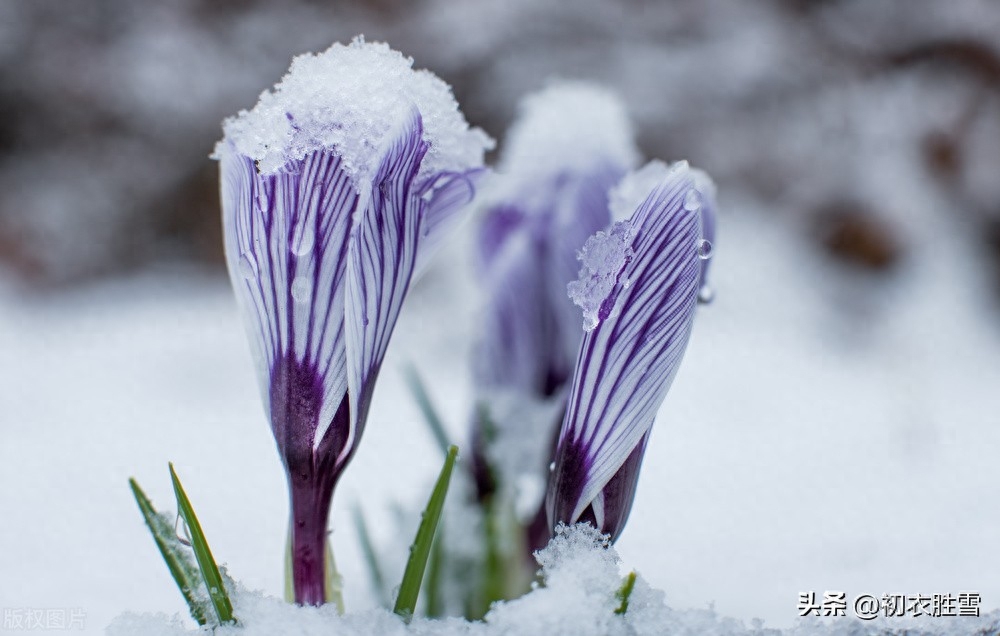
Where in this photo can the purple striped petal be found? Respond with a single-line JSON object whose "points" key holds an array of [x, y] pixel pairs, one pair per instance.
{"points": [[382, 260], [499, 224], [447, 195], [531, 329], [286, 248], [627, 362], [520, 345]]}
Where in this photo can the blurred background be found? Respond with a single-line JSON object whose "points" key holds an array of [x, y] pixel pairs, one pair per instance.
{"points": [[837, 421], [834, 113]]}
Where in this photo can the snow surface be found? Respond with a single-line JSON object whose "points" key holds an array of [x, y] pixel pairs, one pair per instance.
{"points": [[580, 575], [353, 98], [825, 432]]}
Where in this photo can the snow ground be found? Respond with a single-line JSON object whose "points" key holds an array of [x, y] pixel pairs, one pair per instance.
{"points": [[824, 433]]}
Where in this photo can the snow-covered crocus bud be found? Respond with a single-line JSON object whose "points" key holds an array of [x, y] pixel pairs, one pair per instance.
{"points": [[334, 187], [638, 289], [570, 144]]}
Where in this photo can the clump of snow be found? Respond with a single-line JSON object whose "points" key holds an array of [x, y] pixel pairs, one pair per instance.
{"points": [[604, 257], [353, 98], [570, 126], [626, 197]]}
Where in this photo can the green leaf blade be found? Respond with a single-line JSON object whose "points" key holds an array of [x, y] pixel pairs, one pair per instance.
{"points": [[625, 593], [409, 589], [203, 554], [430, 414], [182, 569]]}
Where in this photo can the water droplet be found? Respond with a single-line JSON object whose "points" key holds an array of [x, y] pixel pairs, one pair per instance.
{"points": [[181, 530], [301, 289], [692, 200], [552, 467], [704, 249], [705, 295], [305, 243], [246, 267]]}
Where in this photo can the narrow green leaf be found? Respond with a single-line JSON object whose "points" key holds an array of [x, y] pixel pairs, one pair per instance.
{"points": [[334, 582], [203, 554], [409, 589], [625, 592], [426, 407], [182, 569], [289, 580], [371, 558], [435, 574]]}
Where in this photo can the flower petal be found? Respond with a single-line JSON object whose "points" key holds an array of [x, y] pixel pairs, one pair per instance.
{"points": [[447, 195], [381, 262], [518, 346], [628, 361], [286, 247]]}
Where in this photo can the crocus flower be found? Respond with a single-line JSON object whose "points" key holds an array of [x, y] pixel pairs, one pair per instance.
{"points": [[638, 289], [571, 143], [334, 187]]}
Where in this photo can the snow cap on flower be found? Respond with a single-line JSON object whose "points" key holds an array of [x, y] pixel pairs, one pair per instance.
{"points": [[638, 289], [334, 188], [568, 127], [351, 98]]}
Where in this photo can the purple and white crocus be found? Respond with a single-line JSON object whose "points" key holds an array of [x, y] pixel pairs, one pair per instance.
{"points": [[334, 188], [571, 142], [639, 287]]}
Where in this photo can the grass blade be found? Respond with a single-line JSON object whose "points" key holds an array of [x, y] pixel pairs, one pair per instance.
{"points": [[202, 553], [409, 589], [184, 571], [426, 407], [371, 557], [435, 574], [625, 592], [334, 582]]}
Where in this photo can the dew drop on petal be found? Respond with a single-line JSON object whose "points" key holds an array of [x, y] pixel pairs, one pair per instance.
{"points": [[705, 295], [301, 289], [305, 242], [552, 467], [704, 249], [246, 267], [692, 200]]}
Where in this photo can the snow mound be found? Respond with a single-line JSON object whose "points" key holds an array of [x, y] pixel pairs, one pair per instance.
{"points": [[548, 136], [352, 98]]}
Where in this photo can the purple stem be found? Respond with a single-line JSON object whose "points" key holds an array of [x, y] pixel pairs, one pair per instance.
{"points": [[310, 512]]}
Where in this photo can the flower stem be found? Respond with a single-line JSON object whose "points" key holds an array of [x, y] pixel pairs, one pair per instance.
{"points": [[309, 549]]}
